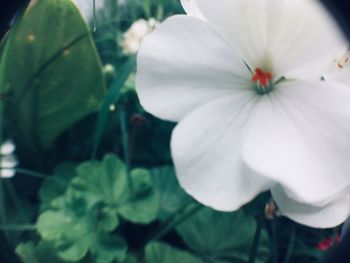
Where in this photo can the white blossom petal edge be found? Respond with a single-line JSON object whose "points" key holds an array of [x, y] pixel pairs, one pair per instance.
{"points": [[243, 79]]}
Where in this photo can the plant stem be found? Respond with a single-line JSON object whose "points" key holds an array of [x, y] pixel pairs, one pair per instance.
{"points": [[274, 241], [18, 227], [335, 234], [291, 245], [17, 201], [125, 143], [38, 175], [2, 202], [94, 15], [256, 240]]}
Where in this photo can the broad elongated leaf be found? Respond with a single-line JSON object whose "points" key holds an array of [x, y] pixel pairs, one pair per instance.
{"points": [[222, 237], [50, 72]]}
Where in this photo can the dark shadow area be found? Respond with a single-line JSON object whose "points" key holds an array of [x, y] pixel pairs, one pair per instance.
{"points": [[8, 9]]}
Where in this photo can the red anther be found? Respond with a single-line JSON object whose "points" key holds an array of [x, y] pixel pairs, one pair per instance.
{"points": [[327, 243], [262, 77]]}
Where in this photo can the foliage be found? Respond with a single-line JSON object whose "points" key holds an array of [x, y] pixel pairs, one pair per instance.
{"points": [[171, 196], [49, 85], [222, 237], [92, 202], [99, 195]]}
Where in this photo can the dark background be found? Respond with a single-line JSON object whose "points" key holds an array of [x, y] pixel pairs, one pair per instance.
{"points": [[339, 8]]}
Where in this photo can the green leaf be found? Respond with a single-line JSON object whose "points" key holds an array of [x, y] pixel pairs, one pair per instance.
{"points": [[170, 194], [57, 184], [157, 252], [130, 258], [108, 248], [43, 252], [222, 237], [111, 97], [74, 227], [143, 205], [50, 71], [104, 181], [107, 182], [69, 227]]}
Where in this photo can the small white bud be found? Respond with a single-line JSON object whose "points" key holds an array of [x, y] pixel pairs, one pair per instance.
{"points": [[7, 147]]}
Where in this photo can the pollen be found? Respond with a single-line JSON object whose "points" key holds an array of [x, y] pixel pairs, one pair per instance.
{"points": [[263, 78], [30, 37]]}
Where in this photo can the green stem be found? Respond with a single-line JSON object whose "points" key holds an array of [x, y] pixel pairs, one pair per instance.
{"points": [[160, 10], [335, 233], [125, 143], [2, 202], [17, 201], [291, 245], [18, 227], [111, 97], [94, 14], [274, 241], [38, 175], [256, 240]]}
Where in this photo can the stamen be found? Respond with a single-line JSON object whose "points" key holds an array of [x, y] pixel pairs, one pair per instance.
{"points": [[262, 77]]}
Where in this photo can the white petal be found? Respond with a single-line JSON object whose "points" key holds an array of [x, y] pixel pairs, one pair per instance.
{"points": [[243, 22], [330, 215], [299, 136], [185, 63], [205, 150], [8, 161], [191, 8], [339, 68], [302, 38], [7, 173], [288, 37], [7, 147]]}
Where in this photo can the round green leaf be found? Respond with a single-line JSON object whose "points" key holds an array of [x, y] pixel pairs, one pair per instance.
{"points": [[170, 194], [220, 237], [142, 206]]}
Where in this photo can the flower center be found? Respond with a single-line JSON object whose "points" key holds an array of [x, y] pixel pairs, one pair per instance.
{"points": [[262, 80]]}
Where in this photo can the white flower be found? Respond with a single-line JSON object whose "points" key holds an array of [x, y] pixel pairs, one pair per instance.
{"points": [[139, 29], [277, 127], [8, 160], [7, 147]]}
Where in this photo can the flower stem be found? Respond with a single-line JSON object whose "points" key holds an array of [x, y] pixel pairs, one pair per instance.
{"points": [[125, 142], [18, 228], [2, 202], [256, 240], [94, 15], [335, 241], [274, 242], [290, 248], [38, 175]]}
